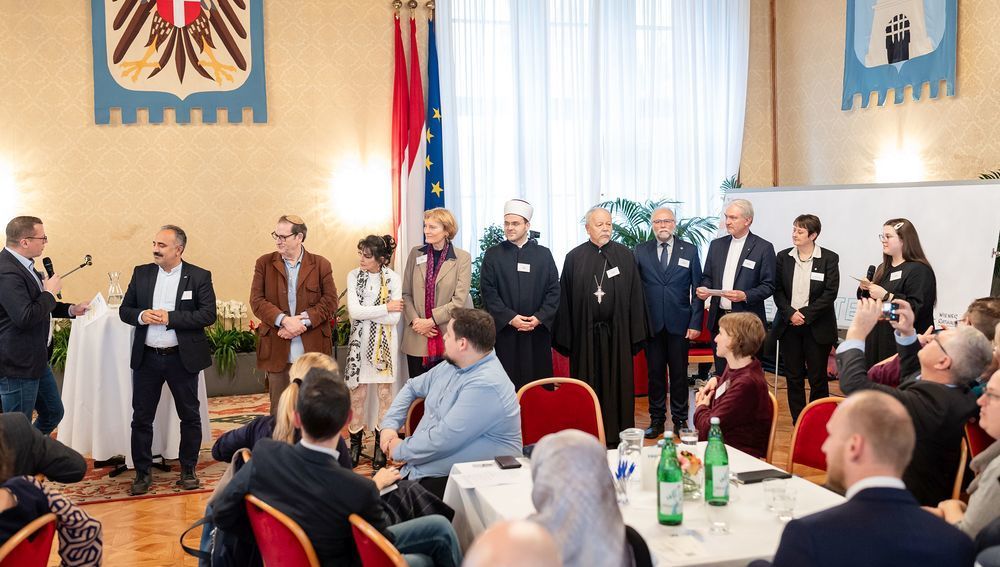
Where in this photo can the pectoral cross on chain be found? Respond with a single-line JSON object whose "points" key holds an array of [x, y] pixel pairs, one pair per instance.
{"points": [[599, 294]]}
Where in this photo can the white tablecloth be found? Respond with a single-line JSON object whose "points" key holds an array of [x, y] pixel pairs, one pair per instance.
{"points": [[488, 495], [97, 393]]}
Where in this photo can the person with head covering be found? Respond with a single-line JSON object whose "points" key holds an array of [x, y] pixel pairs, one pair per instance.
{"points": [[520, 288], [583, 515], [602, 321]]}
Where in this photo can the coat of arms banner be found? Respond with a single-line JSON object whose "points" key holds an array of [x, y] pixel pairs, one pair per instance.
{"points": [[892, 44], [179, 54]]}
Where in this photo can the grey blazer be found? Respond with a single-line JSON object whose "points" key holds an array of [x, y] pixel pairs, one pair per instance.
{"points": [[450, 291]]}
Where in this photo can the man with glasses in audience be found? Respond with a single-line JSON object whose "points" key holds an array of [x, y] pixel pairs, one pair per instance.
{"points": [[937, 395], [27, 305], [294, 297]]}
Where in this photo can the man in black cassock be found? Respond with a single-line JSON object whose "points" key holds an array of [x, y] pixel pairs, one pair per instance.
{"points": [[602, 322], [520, 289]]}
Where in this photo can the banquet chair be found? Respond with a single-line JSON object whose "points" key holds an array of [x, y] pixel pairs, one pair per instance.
{"points": [[774, 427], [568, 404], [375, 550], [977, 439], [413, 416], [280, 539], [963, 457], [31, 545], [810, 433]]}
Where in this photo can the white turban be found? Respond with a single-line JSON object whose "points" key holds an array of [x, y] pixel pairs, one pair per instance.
{"points": [[519, 207]]}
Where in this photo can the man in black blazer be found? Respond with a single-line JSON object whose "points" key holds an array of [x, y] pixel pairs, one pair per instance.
{"points": [[881, 524], [170, 303], [30, 452], [936, 395], [670, 269], [742, 265], [807, 280], [306, 482], [27, 305]]}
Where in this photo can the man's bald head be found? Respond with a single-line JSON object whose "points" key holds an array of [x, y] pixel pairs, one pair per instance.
{"points": [[520, 543]]}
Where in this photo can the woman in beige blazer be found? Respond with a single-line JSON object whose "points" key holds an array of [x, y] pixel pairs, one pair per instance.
{"points": [[426, 311]]}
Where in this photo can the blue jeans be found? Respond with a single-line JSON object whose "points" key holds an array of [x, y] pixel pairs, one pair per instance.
{"points": [[26, 395], [428, 540]]}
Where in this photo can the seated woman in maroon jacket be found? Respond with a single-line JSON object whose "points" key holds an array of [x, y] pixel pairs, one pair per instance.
{"points": [[739, 398]]}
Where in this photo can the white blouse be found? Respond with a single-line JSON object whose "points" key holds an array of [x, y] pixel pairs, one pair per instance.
{"points": [[366, 317]]}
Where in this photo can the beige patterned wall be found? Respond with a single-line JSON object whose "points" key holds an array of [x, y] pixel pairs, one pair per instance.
{"points": [[818, 144], [104, 190], [756, 162]]}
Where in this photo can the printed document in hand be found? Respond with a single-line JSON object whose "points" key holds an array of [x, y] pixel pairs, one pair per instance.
{"points": [[98, 307]]}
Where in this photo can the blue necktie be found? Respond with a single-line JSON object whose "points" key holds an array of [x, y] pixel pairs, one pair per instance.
{"points": [[665, 256]]}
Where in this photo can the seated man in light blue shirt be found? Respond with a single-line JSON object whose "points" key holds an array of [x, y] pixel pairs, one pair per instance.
{"points": [[471, 412]]}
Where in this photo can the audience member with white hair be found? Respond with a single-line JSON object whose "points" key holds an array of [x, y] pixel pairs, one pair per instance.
{"points": [[519, 543], [937, 397]]}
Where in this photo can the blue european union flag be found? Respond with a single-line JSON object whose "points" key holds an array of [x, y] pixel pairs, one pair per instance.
{"points": [[434, 179]]}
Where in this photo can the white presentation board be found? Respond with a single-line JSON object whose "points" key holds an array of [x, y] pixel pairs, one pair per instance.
{"points": [[958, 223]]}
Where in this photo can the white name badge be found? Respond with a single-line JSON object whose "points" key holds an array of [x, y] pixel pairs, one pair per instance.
{"points": [[817, 276], [613, 272], [749, 264], [721, 390], [895, 276], [523, 267], [422, 259], [186, 295], [683, 263]]}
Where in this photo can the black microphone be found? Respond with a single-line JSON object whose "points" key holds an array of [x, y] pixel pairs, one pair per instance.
{"points": [[871, 272], [47, 262]]}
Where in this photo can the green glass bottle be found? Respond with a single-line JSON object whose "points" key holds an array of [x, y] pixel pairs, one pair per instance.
{"points": [[669, 484], [716, 467]]}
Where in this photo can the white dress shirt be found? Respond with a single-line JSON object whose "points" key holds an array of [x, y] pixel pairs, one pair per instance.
{"points": [[874, 482], [164, 297], [320, 449], [800, 277], [732, 264]]}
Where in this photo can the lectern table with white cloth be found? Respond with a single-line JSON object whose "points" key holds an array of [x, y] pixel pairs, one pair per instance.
{"points": [[482, 495], [97, 393]]}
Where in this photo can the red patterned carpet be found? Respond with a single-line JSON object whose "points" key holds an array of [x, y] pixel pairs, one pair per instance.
{"points": [[225, 413]]}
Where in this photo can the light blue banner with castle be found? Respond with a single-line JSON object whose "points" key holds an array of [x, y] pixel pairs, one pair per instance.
{"points": [[892, 44]]}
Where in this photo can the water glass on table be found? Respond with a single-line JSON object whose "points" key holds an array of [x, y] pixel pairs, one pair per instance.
{"points": [[689, 436], [773, 487], [784, 505]]}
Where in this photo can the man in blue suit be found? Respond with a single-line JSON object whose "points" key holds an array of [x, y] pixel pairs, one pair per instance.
{"points": [[742, 266], [881, 524], [670, 269]]}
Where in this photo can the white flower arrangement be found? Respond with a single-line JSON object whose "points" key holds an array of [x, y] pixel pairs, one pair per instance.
{"points": [[232, 311]]}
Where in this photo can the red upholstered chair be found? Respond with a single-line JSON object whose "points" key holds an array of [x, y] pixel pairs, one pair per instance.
{"points": [[810, 433], [963, 458], [700, 351], [280, 539], [774, 427], [977, 439], [413, 416], [31, 545], [571, 404], [374, 549]]}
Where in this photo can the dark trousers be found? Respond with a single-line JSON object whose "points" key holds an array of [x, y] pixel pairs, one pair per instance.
{"points": [[147, 383], [415, 364], [666, 352], [435, 485], [804, 357]]}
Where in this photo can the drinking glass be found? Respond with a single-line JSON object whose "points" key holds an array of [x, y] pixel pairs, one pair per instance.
{"points": [[630, 450], [718, 523], [689, 436], [772, 488], [784, 505]]}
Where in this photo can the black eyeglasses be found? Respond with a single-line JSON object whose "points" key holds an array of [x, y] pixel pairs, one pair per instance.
{"points": [[42, 238], [281, 237], [941, 346]]}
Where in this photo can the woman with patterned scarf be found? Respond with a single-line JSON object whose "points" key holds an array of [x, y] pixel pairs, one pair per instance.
{"points": [[435, 281], [374, 305]]}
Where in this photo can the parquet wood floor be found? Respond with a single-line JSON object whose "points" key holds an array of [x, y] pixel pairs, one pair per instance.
{"points": [[144, 533]]}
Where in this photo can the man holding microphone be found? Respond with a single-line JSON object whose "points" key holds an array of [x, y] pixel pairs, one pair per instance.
{"points": [[27, 305]]}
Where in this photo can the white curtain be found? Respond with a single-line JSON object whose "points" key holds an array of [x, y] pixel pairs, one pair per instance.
{"points": [[566, 103]]}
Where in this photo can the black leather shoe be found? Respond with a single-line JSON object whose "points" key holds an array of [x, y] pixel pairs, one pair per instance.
{"points": [[678, 425], [357, 443], [188, 480], [655, 431], [378, 457], [143, 480]]}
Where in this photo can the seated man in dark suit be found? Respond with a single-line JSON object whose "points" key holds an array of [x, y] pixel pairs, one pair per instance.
{"points": [[25, 450], [306, 482], [881, 524], [935, 391]]}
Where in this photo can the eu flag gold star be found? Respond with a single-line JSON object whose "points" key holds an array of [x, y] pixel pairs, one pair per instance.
{"points": [[428, 162], [429, 135], [437, 113], [437, 189]]}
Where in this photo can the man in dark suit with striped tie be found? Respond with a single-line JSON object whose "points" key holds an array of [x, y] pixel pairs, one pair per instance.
{"points": [[27, 305], [671, 271]]}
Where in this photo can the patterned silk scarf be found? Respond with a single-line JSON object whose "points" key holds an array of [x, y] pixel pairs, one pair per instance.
{"points": [[435, 344], [379, 334]]}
